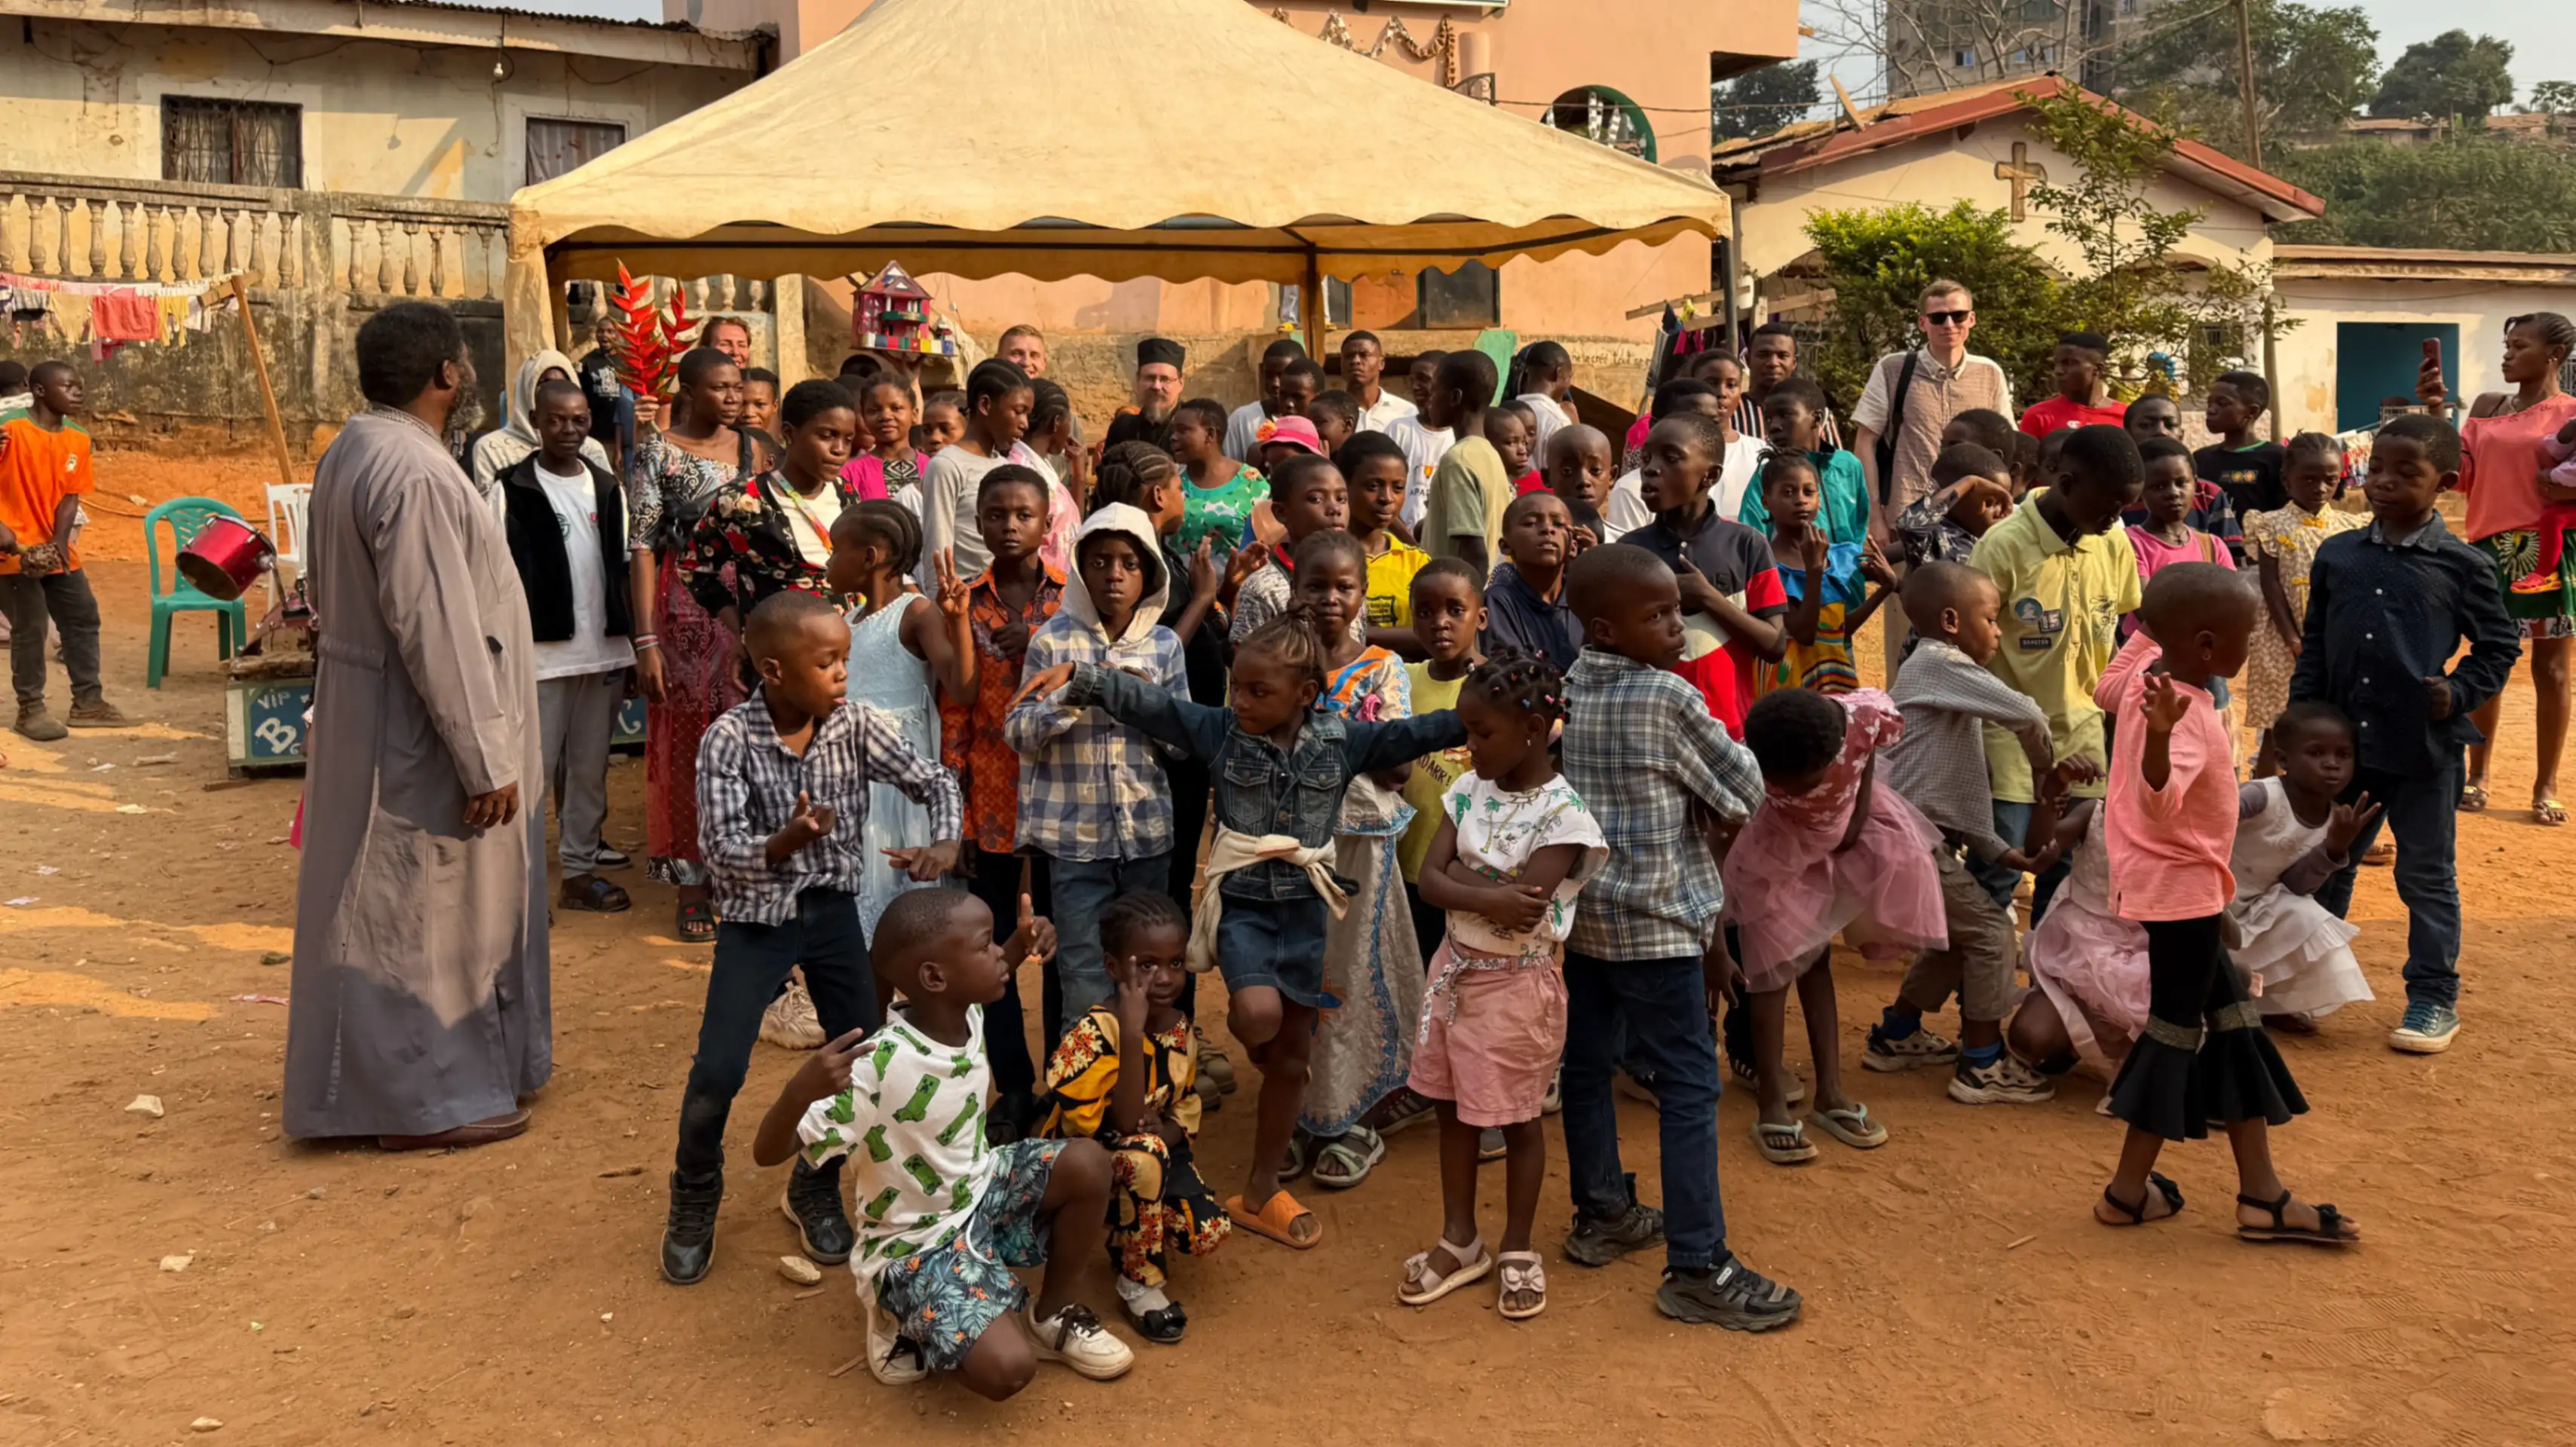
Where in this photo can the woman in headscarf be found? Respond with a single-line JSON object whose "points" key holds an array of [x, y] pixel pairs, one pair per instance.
{"points": [[508, 445]]}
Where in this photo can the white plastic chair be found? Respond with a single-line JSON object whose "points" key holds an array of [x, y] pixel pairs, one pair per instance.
{"points": [[287, 506]]}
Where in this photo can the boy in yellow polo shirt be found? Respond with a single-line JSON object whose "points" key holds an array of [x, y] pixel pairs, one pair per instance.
{"points": [[2067, 574], [44, 469]]}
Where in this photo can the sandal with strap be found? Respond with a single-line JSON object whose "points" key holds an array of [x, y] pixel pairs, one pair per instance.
{"points": [[1346, 1160], [1854, 1127], [2473, 800], [1423, 1284], [2137, 1214], [1523, 1275], [595, 895], [697, 922], [2327, 1232], [1785, 1144], [2548, 813]]}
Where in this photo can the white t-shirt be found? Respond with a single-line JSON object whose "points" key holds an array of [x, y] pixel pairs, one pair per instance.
{"points": [[911, 1122], [1390, 408], [1242, 432], [1498, 831], [1625, 509], [590, 649], [1423, 448], [810, 519]]}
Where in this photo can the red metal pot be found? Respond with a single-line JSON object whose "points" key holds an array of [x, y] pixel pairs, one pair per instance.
{"points": [[226, 557]]}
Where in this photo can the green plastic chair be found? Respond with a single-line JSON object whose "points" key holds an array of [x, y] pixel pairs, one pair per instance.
{"points": [[187, 517]]}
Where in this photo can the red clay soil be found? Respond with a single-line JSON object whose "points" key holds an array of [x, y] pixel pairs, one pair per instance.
{"points": [[1957, 1286]]}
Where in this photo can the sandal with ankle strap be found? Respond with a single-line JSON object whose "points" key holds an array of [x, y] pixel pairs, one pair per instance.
{"points": [[2327, 1232], [2137, 1214], [1425, 1284], [1523, 1274]]}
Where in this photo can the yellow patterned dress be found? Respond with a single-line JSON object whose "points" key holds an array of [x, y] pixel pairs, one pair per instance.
{"points": [[1159, 1203], [2290, 536]]}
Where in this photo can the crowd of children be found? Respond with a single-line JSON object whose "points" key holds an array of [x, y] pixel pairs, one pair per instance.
{"points": [[1511, 776]]}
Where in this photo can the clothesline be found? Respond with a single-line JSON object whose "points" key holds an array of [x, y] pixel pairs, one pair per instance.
{"points": [[14, 282]]}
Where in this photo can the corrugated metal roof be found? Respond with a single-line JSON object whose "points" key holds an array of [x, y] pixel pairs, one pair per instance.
{"points": [[676, 27]]}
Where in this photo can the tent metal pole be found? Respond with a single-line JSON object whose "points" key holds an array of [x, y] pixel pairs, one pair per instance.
{"points": [[1310, 303]]}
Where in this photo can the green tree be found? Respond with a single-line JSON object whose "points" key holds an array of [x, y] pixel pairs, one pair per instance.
{"points": [[2554, 97], [2473, 194], [2451, 74], [1759, 102], [2129, 288], [1876, 263], [2312, 69]]}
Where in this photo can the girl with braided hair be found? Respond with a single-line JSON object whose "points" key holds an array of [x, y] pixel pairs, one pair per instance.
{"points": [[1515, 846]]}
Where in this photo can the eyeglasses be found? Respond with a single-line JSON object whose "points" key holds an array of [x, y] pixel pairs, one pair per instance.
{"points": [[1949, 319]]}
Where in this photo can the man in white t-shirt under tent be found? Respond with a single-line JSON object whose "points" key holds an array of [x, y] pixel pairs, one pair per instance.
{"points": [[566, 522]]}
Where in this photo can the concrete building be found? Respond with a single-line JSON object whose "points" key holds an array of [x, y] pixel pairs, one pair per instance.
{"points": [[2363, 314], [1944, 45], [339, 154], [1975, 145], [1633, 73]]}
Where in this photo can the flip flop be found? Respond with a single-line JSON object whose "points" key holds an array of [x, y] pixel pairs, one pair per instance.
{"points": [[2473, 798], [1852, 1127], [2548, 813], [1422, 1287], [1274, 1219], [1798, 1151]]}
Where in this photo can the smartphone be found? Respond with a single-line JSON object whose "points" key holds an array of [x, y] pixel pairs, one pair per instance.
{"points": [[2433, 350]]}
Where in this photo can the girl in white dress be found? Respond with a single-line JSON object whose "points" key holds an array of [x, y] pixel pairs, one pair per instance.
{"points": [[2291, 834]]}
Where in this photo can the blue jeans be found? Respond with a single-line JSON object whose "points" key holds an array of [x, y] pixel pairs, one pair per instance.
{"points": [[2420, 811], [1081, 887], [2012, 821], [1661, 1006]]}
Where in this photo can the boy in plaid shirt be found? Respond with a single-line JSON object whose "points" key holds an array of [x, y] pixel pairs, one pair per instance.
{"points": [[1093, 797], [1642, 750]]}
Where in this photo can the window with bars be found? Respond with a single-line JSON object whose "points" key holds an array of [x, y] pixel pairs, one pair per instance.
{"points": [[1471, 296], [557, 146], [231, 142]]}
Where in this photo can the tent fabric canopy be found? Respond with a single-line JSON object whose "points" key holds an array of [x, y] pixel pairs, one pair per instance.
{"points": [[1061, 138]]}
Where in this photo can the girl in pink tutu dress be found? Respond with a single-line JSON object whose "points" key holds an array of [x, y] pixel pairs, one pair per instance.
{"points": [[1828, 851], [2090, 966]]}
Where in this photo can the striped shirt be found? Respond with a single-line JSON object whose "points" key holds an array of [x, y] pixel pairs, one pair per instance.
{"points": [[747, 786]]}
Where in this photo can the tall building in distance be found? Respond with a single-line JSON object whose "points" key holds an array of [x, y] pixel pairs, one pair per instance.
{"points": [[1938, 45]]}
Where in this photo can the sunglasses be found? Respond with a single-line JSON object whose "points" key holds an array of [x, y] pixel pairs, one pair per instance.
{"points": [[1951, 319]]}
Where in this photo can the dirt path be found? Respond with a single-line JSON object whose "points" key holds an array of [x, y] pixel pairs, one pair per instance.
{"points": [[1957, 1287]]}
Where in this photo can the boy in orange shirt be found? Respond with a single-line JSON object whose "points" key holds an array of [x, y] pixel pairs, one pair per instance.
{"points": [[44, 468]]}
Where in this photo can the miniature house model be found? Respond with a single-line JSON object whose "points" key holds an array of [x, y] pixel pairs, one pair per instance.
{"points": [[893, 315]]}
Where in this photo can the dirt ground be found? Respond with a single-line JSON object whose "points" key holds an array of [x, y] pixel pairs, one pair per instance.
{"points": [[1957, 1287]]}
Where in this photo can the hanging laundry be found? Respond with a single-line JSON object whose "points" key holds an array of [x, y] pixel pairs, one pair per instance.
{"points": [[171, 326], [120, 317]]}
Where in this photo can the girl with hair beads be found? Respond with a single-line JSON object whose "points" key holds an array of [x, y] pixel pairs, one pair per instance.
{"points": [[2282, 543], [2291, 836], [2170, 820], [1513, 848], [1279, 767], [1828, 850], [1125, 1075], [1372, 962], [900, 642]]}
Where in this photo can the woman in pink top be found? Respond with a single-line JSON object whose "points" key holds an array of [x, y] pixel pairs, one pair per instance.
{"points": [[2503, 456], [2170, 824]]}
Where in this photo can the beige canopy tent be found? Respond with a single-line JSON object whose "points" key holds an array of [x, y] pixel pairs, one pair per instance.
{"points": [[1060, 138]]}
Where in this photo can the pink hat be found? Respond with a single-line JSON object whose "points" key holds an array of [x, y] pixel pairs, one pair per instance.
{"points": [[1295, 431]]}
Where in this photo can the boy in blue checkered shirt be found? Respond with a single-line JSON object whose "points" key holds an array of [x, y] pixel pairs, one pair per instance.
{"points": [[1093, 797]]}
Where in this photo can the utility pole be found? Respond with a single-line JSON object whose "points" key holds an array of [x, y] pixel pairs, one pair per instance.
{"points": [[2245, 85]]}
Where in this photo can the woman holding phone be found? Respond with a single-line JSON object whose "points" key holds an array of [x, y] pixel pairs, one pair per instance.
{"points": [[2510, 502]]}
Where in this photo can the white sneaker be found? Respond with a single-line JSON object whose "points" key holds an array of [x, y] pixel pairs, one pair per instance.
{"points": [[1076, 1338], [789, 1023], [893, 1358]]}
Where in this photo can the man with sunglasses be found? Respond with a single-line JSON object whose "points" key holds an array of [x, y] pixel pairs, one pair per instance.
{"points": [[1911, 396]]}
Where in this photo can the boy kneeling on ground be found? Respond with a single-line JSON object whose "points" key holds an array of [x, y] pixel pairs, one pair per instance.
{"points": [[943, 1216]]}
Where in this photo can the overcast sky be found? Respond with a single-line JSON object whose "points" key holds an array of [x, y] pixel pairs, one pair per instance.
{"points": [[2543, 32]]}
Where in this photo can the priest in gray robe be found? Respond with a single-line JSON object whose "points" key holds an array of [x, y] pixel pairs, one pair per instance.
{"points": [[419, 1013]]}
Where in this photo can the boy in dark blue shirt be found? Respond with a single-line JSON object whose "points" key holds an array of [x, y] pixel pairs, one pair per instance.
{"points": [[2387, 607]]}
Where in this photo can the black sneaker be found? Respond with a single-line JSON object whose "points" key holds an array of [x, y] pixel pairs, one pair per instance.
{"points": [[1732, 1295], [689, 1236], [1598, 1241], [813, 1202]]}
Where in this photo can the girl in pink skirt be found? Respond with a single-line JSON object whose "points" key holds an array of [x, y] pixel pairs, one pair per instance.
{"points": [[1828, 851]]}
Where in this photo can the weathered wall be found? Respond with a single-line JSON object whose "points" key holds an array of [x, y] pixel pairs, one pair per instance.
{"points": [[387, 119]]}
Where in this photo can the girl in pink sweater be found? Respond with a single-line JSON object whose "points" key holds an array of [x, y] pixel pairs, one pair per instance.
{"points": [[2170, 823]]}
